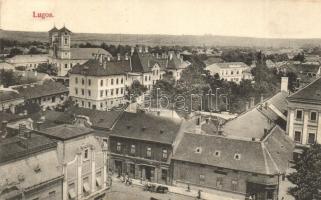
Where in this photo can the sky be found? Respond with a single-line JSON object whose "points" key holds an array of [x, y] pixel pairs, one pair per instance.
{"points": [[252, 18]]}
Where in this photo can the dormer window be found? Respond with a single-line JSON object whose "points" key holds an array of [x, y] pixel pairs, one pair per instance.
{"points": [[237, 156], [217, 153], [198, 150]]}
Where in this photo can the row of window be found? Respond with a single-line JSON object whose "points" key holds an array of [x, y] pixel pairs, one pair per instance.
{"points": [[217, 153], [219, 182], [117, 81], [231, 72], [102, 92], [298, 137], [148, 150], [93, 106], [313, 115]]}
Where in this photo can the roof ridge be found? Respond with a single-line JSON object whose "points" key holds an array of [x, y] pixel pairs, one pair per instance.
{"points": [[265, 160]]}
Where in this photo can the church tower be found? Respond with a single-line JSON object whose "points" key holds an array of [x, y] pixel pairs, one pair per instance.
{"points": [[59, 41]]}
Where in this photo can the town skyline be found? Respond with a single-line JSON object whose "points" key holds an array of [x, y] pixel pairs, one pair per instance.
{"points": [[258, 19]]}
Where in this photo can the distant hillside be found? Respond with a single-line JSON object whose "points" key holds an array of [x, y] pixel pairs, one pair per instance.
{"points": [[153, 40]]}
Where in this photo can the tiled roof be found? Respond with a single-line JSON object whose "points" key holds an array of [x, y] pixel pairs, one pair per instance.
{"points": [[87, 53], [4, 116], [176, 63], [143, 62], [94, 68], [41, 90], [231, 64], [28, 58], [257, 153], [212, 60], [6, 95], [248, 125], [26, 169], [311, 93], [64, 29], [99, 119], [66, 131], [141, 126], [54, 29]]}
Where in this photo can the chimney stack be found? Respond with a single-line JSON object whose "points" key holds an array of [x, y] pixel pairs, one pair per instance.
{"points": [[252, 102], [108, 58], [170, 56], [118, 56], [132, 49], [140, 49], [146, 49], [126, 56], [4, 131], [262, 98], [284, 84]]}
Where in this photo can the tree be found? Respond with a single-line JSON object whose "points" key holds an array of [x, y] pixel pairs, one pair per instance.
{"points": [[135, 90], [307, 177], [15, 51], [299, 57], [8, 78], [47, 68], [34, 50]]}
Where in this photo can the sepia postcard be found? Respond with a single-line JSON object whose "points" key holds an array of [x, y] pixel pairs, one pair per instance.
{"points": [[160, 100]]}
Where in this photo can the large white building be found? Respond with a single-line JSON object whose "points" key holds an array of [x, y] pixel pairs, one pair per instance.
{"points": [[231, 71]]}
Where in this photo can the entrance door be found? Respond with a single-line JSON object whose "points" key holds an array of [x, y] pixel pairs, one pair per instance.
{"points": [[118, 167], [148, 173]]}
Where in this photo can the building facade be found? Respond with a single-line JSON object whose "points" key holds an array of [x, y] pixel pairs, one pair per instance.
{"points": [[141, 146], [83, 158], [304, 115], [212, 162], [231, 71], [99, 84]]}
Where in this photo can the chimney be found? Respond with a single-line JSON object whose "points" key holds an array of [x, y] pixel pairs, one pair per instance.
{"points": [[170, 56], [118, 56], [4, 131], [108, 58], [284, 84], [252, 103], [140, 49], [38, 125], [36, 73], [101, 58], [146, 49], [126, 56], [25, 112], [247, 106], [265, 132], [262, 98]]}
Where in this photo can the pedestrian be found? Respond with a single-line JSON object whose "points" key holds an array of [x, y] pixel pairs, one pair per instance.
{"points": [[199, 194]]}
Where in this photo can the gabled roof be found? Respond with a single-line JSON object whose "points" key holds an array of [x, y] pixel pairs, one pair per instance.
{"points": [[40, 90], [94, 68], [143, 62], [230, 64], [142, 126], [176, 63], [87, 53], [64, 29], [311, 93], [255, 157], [53, 30]]}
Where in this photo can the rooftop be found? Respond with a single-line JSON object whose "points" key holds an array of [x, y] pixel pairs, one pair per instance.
{"points": [[94, 68], [9, 95], [87, 53], [40, 90], [236, 154], [143, 62], [311, 93], [19, 147], [28, 58], [66, 131], [142, 126], [231, 65]]}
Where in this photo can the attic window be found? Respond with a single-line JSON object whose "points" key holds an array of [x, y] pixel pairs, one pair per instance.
{"points": [[37, 169], [237, 156], [217, 153], [198, 150]]}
